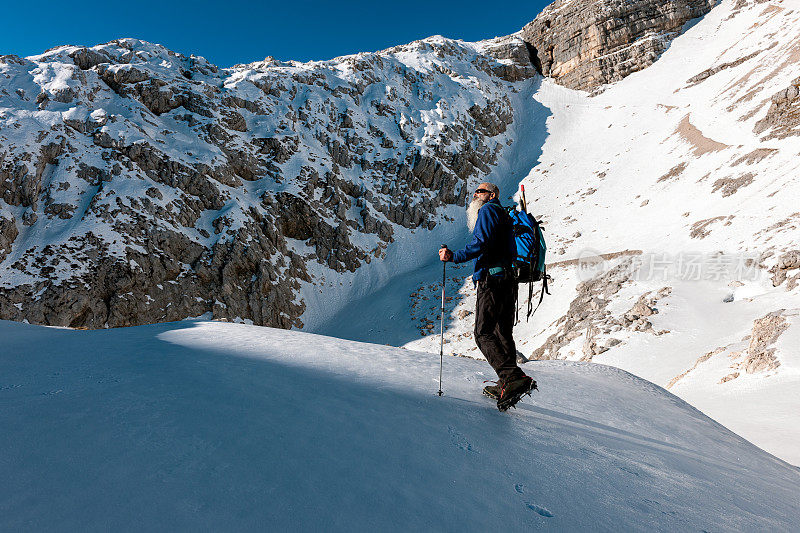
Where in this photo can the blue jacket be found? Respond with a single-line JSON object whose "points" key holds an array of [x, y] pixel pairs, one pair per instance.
{"points": [[492, 242]]}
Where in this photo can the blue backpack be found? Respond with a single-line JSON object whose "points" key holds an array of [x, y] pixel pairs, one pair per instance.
{"points": [[529, 265]]}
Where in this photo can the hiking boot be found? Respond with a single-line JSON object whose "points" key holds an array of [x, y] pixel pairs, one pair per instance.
{"points": [[513, 390], [493, 391]]}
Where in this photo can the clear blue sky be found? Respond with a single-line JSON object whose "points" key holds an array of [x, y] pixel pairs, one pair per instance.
{"points": [[236, 31]]}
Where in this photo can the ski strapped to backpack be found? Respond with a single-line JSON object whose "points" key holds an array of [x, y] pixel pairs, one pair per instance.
{"points": [[529, 265]]}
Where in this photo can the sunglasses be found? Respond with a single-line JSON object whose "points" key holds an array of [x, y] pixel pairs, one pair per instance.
{"points": [[482, 191]]}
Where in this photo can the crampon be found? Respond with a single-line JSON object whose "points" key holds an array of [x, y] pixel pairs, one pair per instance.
{"points": [[513, 392]]}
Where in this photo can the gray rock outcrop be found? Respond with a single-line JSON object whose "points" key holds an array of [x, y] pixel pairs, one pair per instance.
{"points": [[588, 315], [783, 116], [8, 233], [584, 44], [760, 355], [787, 262]]}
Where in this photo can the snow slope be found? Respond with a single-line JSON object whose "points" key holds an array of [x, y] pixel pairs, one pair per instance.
{"points": [[681, 171], [207, 425], [667, 175]]}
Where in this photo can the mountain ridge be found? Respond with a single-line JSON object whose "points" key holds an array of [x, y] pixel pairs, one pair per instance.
{"points": [[210, 155]]}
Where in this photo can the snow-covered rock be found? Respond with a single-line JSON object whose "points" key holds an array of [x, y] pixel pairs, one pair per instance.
{"points": [[139, 185]]}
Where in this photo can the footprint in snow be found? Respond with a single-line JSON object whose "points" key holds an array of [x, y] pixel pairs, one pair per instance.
{"points": [[458, 440], [519, 487], [628, 470], [541, 510]]}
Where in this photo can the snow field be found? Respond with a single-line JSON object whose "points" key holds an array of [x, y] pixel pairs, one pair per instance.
{"points": [[225, 426]]}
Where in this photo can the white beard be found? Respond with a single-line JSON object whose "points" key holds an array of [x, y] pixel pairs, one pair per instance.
{"points": [[472, 213]]}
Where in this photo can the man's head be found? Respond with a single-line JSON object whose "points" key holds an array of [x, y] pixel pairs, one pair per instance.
{"points": [[482, 194]]}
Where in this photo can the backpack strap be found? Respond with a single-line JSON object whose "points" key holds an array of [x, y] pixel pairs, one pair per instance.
{"points": [[530, 305], [545, 289]]}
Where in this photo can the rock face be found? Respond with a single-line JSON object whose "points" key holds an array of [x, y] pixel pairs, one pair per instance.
{"points": [[584, 44], [761, 351], [787, 262], [783, 116], [8, 233], [138, 185], [588, 315]]}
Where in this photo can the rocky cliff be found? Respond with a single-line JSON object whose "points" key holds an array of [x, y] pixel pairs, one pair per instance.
{"points": [[138, 185], [583, 45]]}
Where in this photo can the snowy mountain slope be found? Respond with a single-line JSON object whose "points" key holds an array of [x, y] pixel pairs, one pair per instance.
{"points": [[694, 343], [704, 158], [211, 425], [711, 181], [384, 312], [671, 174], [139, 185]]}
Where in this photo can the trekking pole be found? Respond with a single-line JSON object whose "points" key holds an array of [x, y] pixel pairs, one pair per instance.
{"points": [[524, 203], [441, 339]]}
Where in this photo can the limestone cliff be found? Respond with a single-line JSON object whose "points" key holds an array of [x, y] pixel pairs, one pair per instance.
{"points": [[585, 44]]}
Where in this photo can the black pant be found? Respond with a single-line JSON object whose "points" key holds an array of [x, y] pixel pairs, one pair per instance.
{"points": [[494, 325]]}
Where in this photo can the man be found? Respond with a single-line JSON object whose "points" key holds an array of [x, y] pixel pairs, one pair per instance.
{"points": [[493, 248]]}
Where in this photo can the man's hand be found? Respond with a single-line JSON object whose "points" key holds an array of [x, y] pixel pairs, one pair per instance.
{"points": [[445, 254]]}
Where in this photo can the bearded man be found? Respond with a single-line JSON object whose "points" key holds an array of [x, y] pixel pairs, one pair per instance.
{"points": [[493, 248]]}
